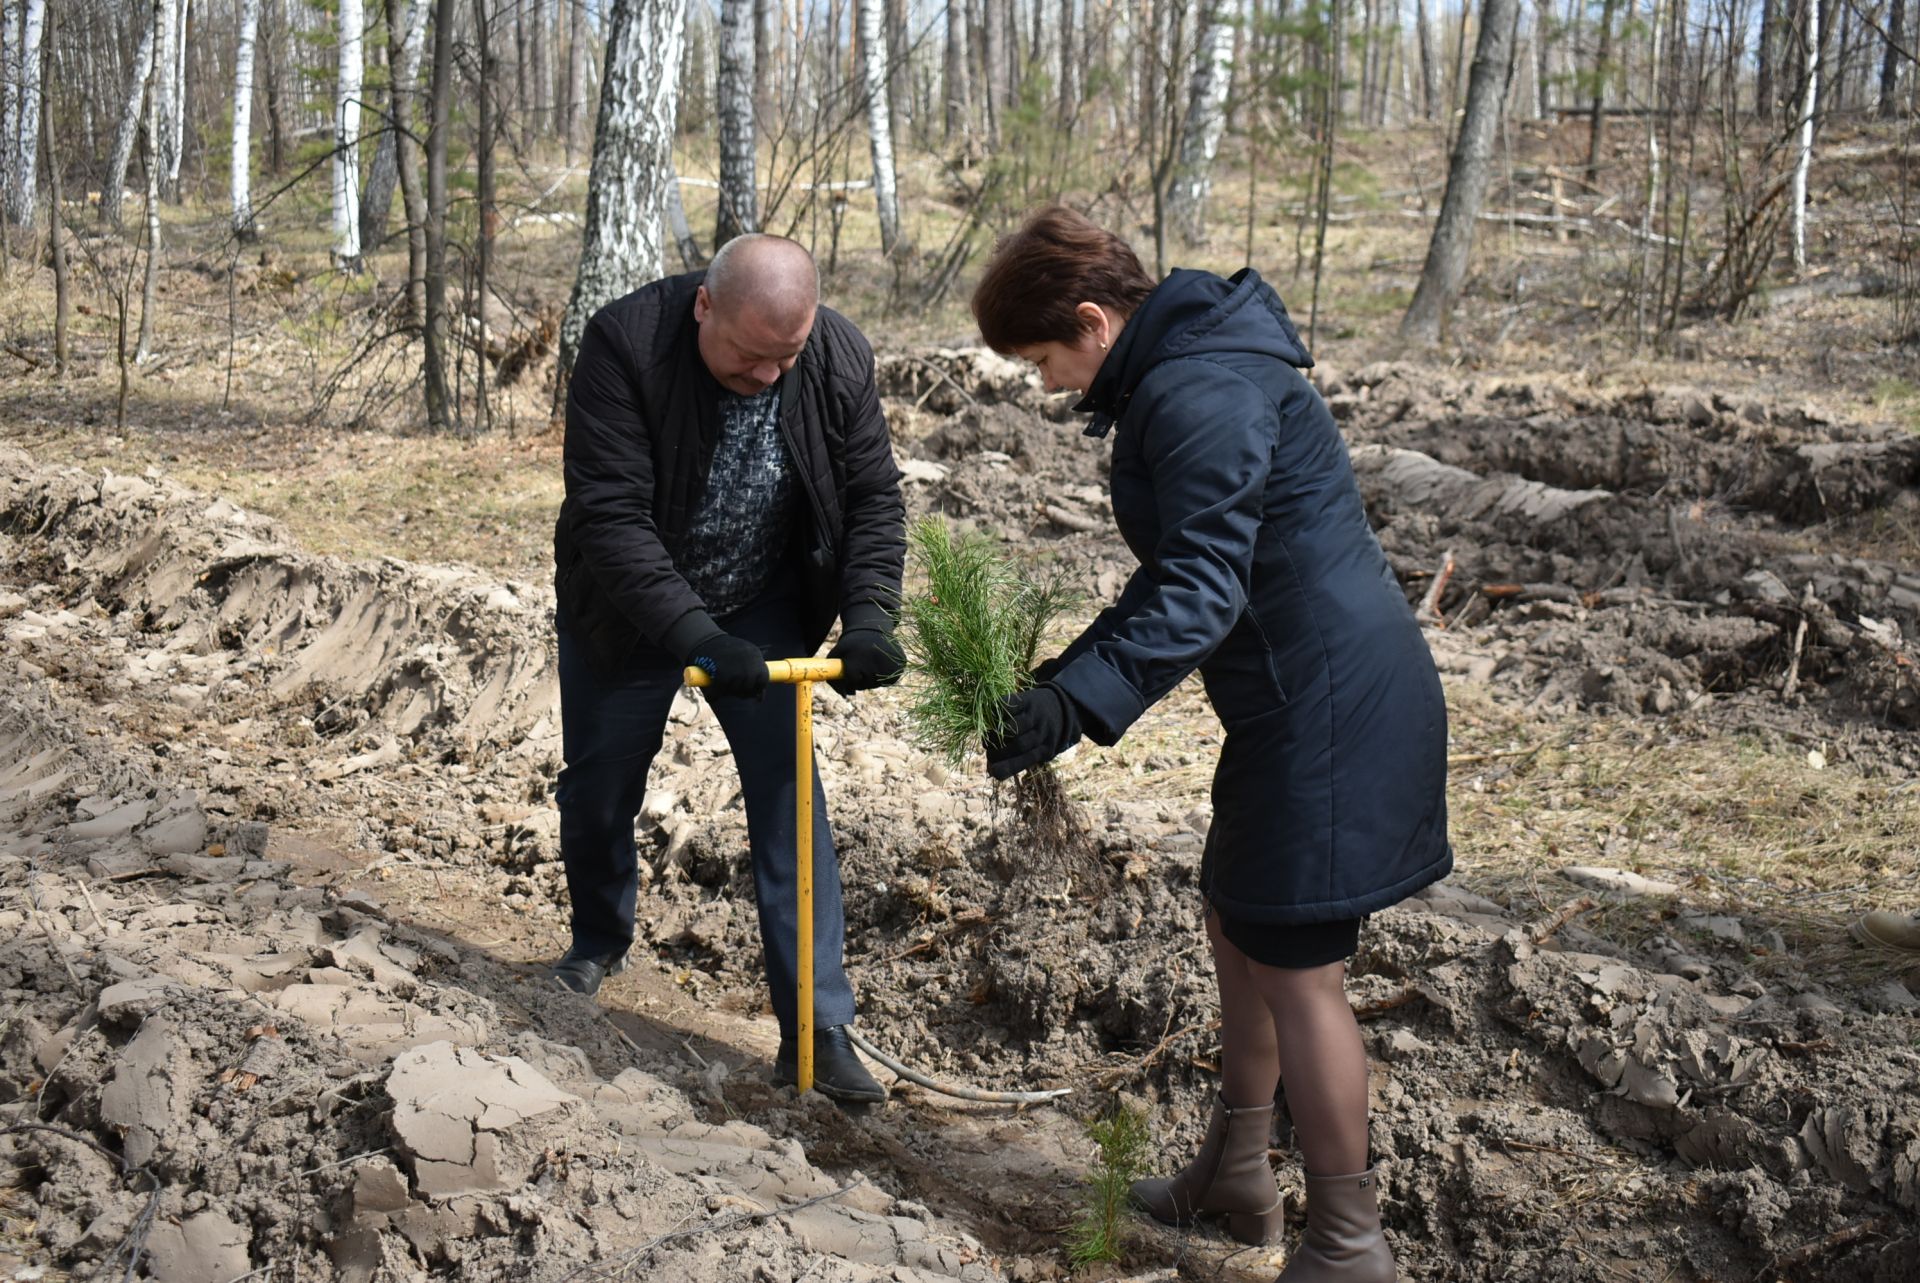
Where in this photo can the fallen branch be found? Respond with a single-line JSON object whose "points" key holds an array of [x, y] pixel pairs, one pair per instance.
{"points": [[953, 1089], [1560, 919]]}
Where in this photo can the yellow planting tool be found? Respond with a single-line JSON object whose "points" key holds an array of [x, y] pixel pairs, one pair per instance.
{"points": [[801, 674]]}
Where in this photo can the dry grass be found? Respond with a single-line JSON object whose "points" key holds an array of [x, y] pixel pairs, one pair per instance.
{"points": [[1745, 825]]}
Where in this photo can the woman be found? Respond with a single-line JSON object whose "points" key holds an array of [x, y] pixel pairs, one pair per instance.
{"points": [[1231, 484]]}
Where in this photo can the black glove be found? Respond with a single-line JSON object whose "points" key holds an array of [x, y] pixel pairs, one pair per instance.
{"points": [[734, 666], [868, 652], [1047, 669], [1042, 723]]}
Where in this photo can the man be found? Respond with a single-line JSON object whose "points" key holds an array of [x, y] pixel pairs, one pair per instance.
{"points": [[730, 491]]}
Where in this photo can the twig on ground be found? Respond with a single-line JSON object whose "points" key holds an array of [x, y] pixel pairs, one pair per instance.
{"points": [[953, 1089], [1808, 1252], [1392, 1003], [1792, 681], [628, 1259], [53, 941], [1567, 914], [1430, 604], [1468, 759], [1159, 1049]]}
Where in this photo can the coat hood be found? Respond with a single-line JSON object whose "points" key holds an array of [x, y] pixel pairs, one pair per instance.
{"points": [[1192, 313]]}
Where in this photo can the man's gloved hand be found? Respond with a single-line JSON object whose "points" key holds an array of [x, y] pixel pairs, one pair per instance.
{"points": [[868, 652], [1042, 723], [734, 665]]}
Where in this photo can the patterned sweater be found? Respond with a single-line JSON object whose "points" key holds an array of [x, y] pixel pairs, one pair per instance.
{"points": [[742, 530]]}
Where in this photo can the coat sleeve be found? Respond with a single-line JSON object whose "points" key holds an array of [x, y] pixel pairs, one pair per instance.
{"points": [[874, 547], [608, 463], [1135, 591], [1207, 445]]}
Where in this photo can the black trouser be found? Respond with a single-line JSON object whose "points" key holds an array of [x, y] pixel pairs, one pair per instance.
{"points": [[611, 728]]}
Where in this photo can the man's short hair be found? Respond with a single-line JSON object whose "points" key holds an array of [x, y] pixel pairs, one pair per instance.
{"points": [[776, 273]]}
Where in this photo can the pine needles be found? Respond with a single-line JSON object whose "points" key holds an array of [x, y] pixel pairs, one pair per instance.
{"points": [[971, 640], [1122, 1138]]}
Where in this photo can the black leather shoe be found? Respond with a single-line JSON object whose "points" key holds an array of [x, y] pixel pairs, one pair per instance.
{"points": [[582, 972], [837, 1071]]}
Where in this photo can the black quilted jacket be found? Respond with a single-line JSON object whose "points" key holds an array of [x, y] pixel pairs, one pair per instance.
{"points": [[642, 421]]}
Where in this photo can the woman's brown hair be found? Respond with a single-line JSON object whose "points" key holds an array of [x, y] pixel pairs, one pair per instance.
{"points": [[1038, 275]]}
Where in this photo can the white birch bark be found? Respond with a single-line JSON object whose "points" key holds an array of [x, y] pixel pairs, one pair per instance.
{"points": [[1206, 120], [242, 181], [739, 205], [150, 289], [9, 87], [873, 48], [1805, 161], [376, 199], [346, 138], [632, 160], [163, 88], [177, 121], [25, 141], [129, 128]]}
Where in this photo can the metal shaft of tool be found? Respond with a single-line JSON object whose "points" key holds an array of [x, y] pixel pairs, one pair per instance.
{"points": [[801, 675]]}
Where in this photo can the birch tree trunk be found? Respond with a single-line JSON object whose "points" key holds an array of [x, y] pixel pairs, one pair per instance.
{"points": [[1809, 96], [24, 143], [1206, 120], [574, 106], [435, 336], [403, 70], [406, 157], [1542, 58], [676, 210], [56, 221], [150, 290], [1602, 66], [176, 118], [739, 204], [1890, 61], [766, 46], [873, 48], [129, 129], [995, 87], [1429, 99], [959, 105], [10, 69], [1467, 176], [632, 159], [242, 170], [346, 138]]}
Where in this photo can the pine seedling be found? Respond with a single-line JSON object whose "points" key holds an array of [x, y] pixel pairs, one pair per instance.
{"points": [[971, 638], [1122, 1139]]}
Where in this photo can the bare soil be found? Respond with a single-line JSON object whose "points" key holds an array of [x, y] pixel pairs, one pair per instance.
{"points": [[288, 814]]}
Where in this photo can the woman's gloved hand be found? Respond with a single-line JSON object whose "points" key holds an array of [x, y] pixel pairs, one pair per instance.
{"points": [[1048, 669], [1042, 723]]}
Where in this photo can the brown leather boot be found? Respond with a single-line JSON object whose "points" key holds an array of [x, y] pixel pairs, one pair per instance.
{"points": [[1343, 1242], [1229, 1176]]}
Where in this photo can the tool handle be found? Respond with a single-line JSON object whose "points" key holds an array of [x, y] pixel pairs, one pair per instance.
{"points": [[786, 671]]}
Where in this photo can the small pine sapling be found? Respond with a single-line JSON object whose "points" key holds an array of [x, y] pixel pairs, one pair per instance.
{"points": [[971, 636], [1122, 1139]]}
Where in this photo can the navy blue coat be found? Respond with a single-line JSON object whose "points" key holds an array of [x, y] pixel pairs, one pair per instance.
{"points": [[1257, 567]]}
